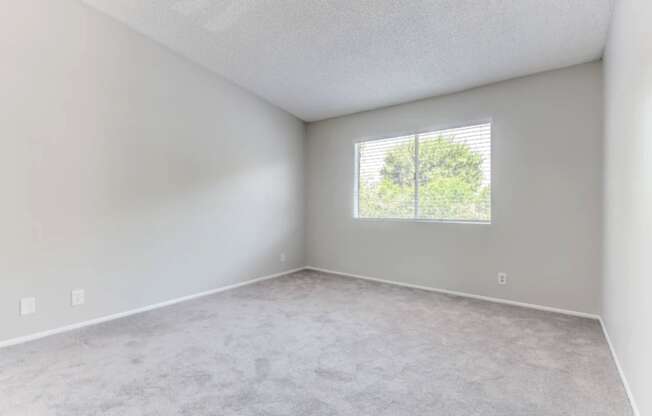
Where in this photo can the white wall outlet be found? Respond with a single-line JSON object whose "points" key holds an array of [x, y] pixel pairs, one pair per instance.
{"points": [[502, 278], [27, 306], [77, 297], [282, 257]]}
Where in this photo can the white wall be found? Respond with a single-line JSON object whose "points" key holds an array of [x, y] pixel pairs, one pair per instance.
{"points": [[627, 292], [130, 172], [546, 230]]}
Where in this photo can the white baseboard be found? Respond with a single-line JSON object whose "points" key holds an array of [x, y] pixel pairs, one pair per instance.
{"points": [[462, 294], [43, 334], [630, 396]]}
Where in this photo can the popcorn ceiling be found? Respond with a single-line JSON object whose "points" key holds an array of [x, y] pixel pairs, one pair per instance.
{"points": [[319, 59]]}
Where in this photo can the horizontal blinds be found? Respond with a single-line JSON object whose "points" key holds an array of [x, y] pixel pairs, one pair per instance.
{"points": [[439, 175], [386, 178], [454, 174]]}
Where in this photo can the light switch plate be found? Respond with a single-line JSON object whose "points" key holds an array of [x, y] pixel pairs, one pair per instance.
{"points": [[27, 306]]}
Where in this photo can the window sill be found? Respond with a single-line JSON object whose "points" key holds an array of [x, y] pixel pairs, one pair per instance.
{"points": [[470, 222]]}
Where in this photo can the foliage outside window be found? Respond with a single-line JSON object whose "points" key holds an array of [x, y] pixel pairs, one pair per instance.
{"points": [[442, 175]]}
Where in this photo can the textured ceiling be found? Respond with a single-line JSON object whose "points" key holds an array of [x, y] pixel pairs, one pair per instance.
{"points": [[319, 59]]}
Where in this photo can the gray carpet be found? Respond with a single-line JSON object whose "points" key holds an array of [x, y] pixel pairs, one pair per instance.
{"points": [[317, 344]]}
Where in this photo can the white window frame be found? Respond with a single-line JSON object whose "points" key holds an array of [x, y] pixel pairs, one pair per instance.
{"points": [[356, 175]]}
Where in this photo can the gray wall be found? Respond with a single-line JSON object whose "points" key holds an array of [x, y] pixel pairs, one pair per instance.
{"points": [[547, 180], [130, 172], [627, 291]]}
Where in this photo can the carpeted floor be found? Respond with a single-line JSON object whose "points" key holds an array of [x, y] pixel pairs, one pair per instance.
{"points": [[317, 344]]}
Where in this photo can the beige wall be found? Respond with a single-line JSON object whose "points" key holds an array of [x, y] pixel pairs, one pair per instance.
{"points": [[547, 179], [130, 172], [627, 292]]}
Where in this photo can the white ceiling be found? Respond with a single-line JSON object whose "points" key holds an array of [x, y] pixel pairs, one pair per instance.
{"points": [[324, 58]]}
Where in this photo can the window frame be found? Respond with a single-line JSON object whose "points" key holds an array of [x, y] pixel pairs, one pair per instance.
{"points": [[356, 174]]}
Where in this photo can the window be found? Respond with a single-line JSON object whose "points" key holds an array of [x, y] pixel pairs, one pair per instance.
{"points": [[442, 175]]}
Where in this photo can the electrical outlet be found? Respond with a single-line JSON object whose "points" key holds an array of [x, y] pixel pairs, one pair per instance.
{"points": [[502, 278], [283, 258], [27, 306], [77, 297]]}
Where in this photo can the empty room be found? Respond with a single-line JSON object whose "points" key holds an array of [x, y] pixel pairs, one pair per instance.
{"points": [[326, 207]]}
